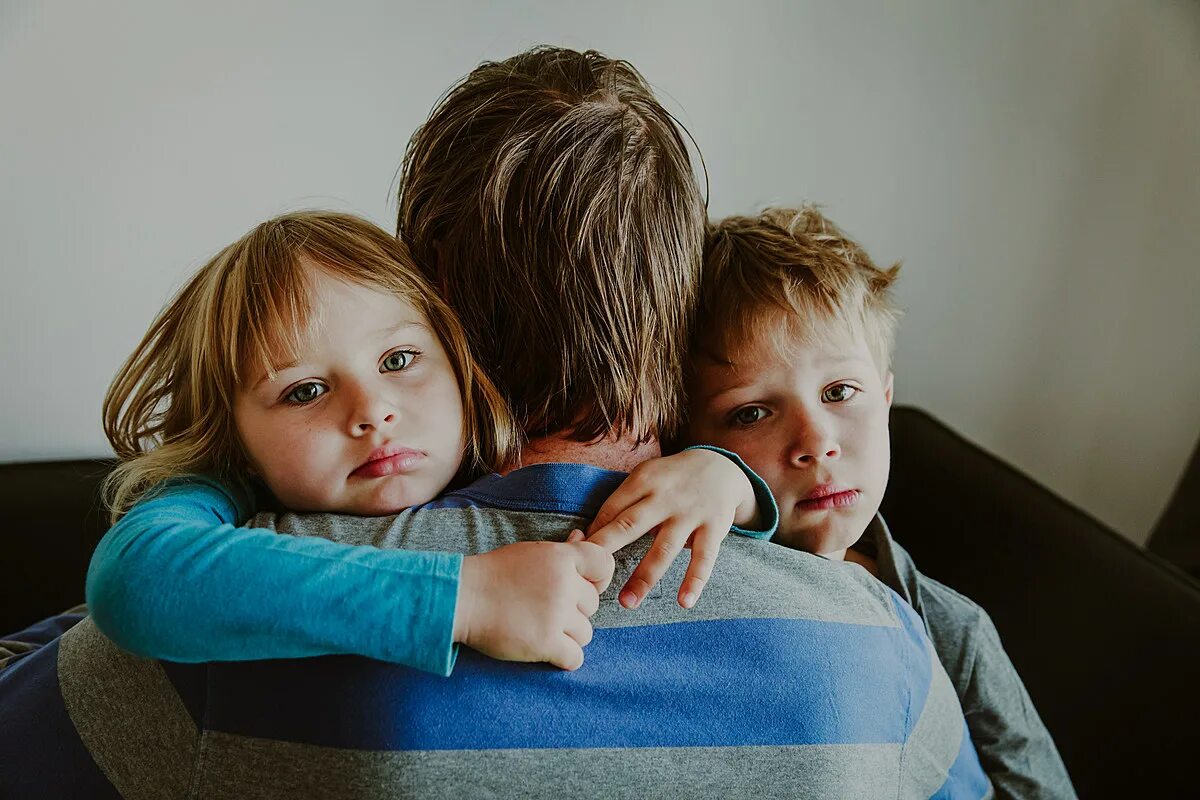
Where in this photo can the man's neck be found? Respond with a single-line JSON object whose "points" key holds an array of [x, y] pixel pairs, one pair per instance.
{"points": [[621, 454]]}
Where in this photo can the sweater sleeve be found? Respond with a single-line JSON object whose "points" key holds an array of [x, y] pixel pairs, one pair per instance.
{"points": [[177, 579]]}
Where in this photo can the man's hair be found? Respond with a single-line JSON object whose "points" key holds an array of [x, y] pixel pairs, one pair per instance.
{"points": [[796, 265], [552, 199], [169, 410]]}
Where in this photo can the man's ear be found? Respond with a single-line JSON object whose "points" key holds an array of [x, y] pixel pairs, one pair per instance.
{"points": [[888, 383]]}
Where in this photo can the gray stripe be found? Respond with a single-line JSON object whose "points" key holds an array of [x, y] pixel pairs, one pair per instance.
{"points": [[235, 766], [936, 738], [128, 715], [752, 578]]}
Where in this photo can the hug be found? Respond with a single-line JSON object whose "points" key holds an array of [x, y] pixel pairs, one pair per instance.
{"points": [[404, 515]]}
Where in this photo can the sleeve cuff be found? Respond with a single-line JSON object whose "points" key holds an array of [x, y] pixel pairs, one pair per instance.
{"points": [[429, 632], [767, 507]]}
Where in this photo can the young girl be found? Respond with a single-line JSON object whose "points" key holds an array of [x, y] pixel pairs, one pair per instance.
{"points": [[310, 366]]}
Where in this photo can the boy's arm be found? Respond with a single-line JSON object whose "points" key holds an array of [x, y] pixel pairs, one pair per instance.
{"points": [[690, 499], [1014, 746], [176, 579]]}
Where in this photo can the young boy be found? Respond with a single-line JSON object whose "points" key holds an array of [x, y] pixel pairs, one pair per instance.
{"points": [[791, 370]]}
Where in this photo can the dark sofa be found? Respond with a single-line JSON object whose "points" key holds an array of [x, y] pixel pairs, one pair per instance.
{"points": [[1105, 634]]}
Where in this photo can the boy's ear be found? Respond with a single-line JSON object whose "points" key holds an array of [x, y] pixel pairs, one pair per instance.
{"points": [[887, 388]]}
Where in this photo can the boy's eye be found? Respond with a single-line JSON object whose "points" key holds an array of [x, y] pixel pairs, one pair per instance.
{"points": [[397, 361], [306, 393], [839, 393], [749, 415]]}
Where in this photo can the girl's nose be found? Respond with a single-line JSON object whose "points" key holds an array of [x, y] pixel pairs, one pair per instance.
{"points": [[369, 411]]}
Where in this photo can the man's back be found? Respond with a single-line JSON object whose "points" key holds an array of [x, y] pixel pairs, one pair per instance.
{"points": [[793, 676]]}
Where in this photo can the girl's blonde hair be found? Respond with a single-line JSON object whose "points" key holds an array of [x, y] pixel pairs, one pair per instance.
{"points": [[169, 410]]}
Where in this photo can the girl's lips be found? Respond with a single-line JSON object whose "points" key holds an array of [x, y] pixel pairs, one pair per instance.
{"points": [[823, 501], [392, 462]]}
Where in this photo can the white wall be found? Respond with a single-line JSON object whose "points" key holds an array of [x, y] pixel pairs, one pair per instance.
{"points": [[1036, 166]]}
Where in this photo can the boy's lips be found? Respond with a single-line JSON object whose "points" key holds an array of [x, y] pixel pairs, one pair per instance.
{"points": [[828, 496], [388, 461]]}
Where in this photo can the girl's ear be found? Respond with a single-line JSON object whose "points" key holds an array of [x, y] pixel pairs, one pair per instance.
{"points": [[887, 388]]}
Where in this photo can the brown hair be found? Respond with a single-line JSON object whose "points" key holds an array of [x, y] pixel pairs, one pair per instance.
{"points": [[797, 262], [169, 410], [552, 198]]}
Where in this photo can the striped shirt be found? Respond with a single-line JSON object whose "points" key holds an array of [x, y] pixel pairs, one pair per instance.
{"points": [[793, 676]]}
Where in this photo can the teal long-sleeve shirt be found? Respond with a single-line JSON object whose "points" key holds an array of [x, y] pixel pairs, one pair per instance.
{"points": [[170, 580]]}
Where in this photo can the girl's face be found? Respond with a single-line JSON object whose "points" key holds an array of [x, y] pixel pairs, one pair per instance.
{"points": [[368, 420]]}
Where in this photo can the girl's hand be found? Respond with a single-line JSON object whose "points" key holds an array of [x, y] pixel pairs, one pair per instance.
{"points": [[689, 499], [532, 601]]}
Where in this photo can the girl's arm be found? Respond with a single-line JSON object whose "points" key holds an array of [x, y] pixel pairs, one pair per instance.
{"points": [[176, 579]]}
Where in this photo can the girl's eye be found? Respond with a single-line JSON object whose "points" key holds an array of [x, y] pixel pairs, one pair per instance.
{"points": [[306, 393], [397, 361], [749, 415], [839, 393]]}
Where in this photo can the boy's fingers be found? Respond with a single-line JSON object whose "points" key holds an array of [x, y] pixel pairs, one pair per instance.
{"points": [[627, 527], [625, 496], [567, 655], [575, 536], [666, 547], [704, 557], [595, 564]]}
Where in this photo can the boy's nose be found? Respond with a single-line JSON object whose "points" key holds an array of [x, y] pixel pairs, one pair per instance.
{"points": [[812, 444]]}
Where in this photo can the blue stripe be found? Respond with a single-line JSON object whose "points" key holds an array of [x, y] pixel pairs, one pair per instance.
{"points": [[966, 779], [190, 682], [691, 684], [41, 754], [45, 630], [549, 488]]}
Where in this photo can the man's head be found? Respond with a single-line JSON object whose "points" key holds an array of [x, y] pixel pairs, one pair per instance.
{"points": [[552, 199], [791, 369]]}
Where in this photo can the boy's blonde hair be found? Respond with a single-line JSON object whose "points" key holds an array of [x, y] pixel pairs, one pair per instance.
{"points": [[797, 264], [169, 410], [552, 199]]}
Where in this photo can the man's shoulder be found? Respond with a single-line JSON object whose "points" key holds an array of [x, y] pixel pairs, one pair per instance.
{"points": [[85, 719]]}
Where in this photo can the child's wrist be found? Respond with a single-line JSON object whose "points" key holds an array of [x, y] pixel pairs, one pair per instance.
{"points": [[464, 604], [747, 514], [767, 520]]}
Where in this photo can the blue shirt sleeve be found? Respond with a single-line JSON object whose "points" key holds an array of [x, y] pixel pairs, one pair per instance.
{"points": [[768, 509], [177, 579]]}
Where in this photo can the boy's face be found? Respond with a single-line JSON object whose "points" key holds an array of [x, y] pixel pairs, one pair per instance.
{"points": [[812, 421], [368, 420]]}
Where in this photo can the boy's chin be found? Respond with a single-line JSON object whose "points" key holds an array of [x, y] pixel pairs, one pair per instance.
{"points": [[833, 536]]}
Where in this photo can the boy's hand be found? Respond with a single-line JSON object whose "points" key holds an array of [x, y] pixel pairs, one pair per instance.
{"points": [[691, 498], [532, 601]]}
